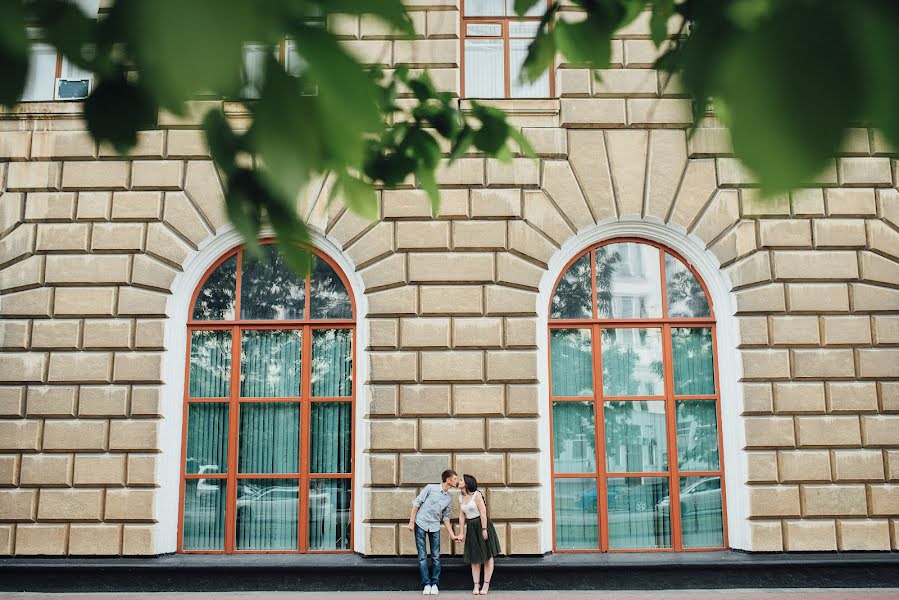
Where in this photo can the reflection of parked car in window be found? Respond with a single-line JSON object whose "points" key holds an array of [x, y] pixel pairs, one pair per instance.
{"points": [[209, 486], [700, 504], [271, 504]]}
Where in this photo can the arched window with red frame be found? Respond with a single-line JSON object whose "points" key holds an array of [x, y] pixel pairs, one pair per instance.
{"points": [[267, 462], [635, 405]]}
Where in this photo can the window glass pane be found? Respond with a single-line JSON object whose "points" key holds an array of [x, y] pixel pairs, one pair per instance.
{"points": [[269, 289], [204, 514], [41, 79], [636, 439], [215, 302], [524, 29], [577, 521], [270, 363], [518, 51], [484, 8], [210, 364], [269, 437], [702, 525], [574, 437], [330, 514], [484, 30], [207, 437], [332, 437], [330, 299], [485, 74], [572, 362], [686, 298], [332, 362], [697, 435], [637, 516], [267, 514], [628, 281], [632, 362], [694, 368], [254, 69], [572, 297], [535, 11]]}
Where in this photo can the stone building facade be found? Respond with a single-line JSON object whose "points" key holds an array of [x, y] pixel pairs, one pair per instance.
{"points": [[100, 258]]}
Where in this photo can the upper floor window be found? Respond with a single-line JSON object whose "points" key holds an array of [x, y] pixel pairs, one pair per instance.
{"points": [[268, 418], [495, 43]]}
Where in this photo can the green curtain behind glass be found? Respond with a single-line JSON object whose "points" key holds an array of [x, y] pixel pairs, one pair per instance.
{"points": [[701, 519], [204, 514], [332, 363], [332, 434], [694, 372], [269, 437], [572, 362], [329, 514], [577, 526], [267, 514], [207, 437], [270, 363], [574, 437], [210, 364], [639, 513]]}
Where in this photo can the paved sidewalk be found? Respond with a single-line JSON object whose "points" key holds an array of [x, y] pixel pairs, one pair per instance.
{"points": [[767, 594]]}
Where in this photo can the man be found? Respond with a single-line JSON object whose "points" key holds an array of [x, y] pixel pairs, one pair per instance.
{"points": [[428, 509]]}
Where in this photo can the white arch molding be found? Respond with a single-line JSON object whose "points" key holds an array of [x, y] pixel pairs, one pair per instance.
{"points": [[172, 394], [729, 365]]}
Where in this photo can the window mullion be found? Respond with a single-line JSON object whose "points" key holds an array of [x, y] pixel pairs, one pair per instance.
{"points": [[305, 424], [233, 416]]}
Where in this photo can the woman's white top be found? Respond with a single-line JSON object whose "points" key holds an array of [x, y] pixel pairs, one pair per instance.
{"points": [[470, 508]]}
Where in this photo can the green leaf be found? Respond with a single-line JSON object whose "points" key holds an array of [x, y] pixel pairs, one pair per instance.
{"points": [[429, 184], [462, 143], [224, 144], [242, 203], [587, 42], [523, 6], [541, 54], [874, 29], [13, 51], [524, 144], [494, 131], [68, 28], [358, 196], [662, 11], [116, 110]]}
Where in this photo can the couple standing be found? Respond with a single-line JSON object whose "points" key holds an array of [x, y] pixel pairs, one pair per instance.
{"points": [[481, 542]]}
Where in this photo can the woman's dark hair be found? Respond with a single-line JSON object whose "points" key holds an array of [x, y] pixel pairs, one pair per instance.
{"points": [[471, 484]]}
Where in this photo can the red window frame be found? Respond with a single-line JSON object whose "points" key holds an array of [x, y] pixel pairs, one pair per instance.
{"points": [[665, 324], [304, 477], [503, 22]]}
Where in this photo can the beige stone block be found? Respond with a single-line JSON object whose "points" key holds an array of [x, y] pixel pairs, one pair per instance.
{"points": [[117, 237], [149, 334], [95, 540], [414, 204], [51, 401], [185, 143], [836, 233], [520, 333], [828, 431], [512, 434], [134, 435], [834, 500], [80, 434], [799, 397], [823, 363], [204, 187], [524, 538], [382, 469], [383, 333], [18, 504], [774, 501], [12, 401], [441, 23], [141, 470], [511, 366], [392, 435], [70, 505], [15, 334], [818, 264], [477, 400], [766, 536], [487, 469], [394, 367], [796, 466], [56, 334], [34, 540], [138, 540], [807, 202], [563, 188], [871, 298], [858, 465], [393, 504], [764, 299], [439, 267], [145, 401], [846, 330], [550, 141], [103, 401], [424, 400], [426, 53], [418, 235], [524, 469], [862, 171], [883, 499], [138, 367], [477, 333], [528, 242], [462, 172], [878, 362], [601, 112], [12, 210], [755, 268], [157, 175], [62, 237], [851, 396], [479, 235], [880, 430], [165, 245], [573, 82], [17, 244], [815, 297], [381, 540], [134, 302], [93, 269], [456, 365], [24, 176], [46, 470], [761, 467], [452, 434], [20, 434], [425, 333], [14, 145], [137, 206], [502, 300], [808, 535], [23, 274], [80, 367], [107, 334], [377, 243], [765, 364], [513, 503], [863, 535], [50, 206], [9, 470], [793, 233], [886, 330], [95, 470], [521, 400], [96, 175], [94, 206], [130, 505], [753, 331], [892, 464], [850, 202], [419, 469], [63, 144], [80, 301], [452, 300], [794, 331], [22, 367], [710, 142], [769, 432]]}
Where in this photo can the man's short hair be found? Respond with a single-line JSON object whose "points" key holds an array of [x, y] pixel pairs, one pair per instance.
{"points": [[447, 474]]}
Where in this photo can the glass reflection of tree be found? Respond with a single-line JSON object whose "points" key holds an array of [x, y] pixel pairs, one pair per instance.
{"points": [[686, 298], [572, 297], [210, 364], [572, 362], [630, 427], [693, 366], [697, 435], [332, 362], [330, 299], [269, 288], [215, 301], [608, 260], [574, 432]]}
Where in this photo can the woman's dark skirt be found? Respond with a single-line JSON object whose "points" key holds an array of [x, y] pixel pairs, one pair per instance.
{"points": [[477, 549]]}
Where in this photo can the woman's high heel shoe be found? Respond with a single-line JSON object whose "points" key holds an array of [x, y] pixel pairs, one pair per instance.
{"points": [[485, 588]]}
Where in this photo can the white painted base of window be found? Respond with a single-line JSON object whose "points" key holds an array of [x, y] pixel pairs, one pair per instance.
{"points": [[729, 365], [169, 466]]}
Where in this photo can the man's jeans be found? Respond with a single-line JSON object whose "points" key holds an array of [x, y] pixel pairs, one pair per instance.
{"points": [[434, 536]]}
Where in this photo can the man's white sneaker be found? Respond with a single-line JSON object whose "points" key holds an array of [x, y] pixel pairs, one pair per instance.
{"points": [[434, 590], [426, 591]]}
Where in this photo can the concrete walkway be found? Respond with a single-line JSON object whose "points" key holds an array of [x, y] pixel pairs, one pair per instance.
{"points": [[766, 594]]}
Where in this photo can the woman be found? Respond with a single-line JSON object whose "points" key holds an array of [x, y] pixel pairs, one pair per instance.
{"points": [[478, 533]]}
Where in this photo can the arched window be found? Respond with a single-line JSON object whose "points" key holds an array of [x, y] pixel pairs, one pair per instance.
{"points": [[634, 403], [268, 417]]}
